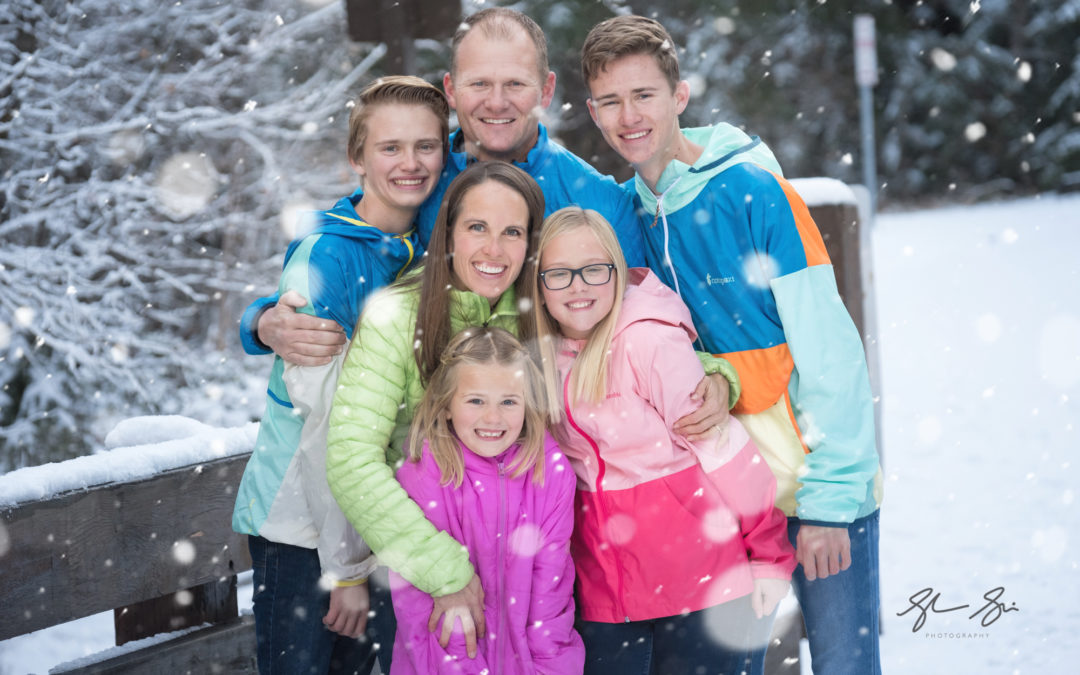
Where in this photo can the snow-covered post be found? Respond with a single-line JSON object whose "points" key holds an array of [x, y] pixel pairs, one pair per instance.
{"points": [[833, 206]]}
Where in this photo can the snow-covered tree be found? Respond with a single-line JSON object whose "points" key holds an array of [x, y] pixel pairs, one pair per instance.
{"points": [[148, 151]]}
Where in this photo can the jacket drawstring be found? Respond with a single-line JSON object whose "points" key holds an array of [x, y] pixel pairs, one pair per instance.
{"points": [[662, 214]]}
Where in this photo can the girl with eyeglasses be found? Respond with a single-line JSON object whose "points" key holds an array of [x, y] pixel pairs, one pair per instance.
{"points": [[679, 550]]}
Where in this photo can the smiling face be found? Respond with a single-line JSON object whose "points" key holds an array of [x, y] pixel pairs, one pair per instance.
{"points": [[487, 410], [489, 239], [638, 113], [498, 93], [400, 162], [579, 307]]}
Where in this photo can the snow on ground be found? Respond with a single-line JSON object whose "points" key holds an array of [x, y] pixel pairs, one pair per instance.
{"points": [[979, 335], [979, 323]]}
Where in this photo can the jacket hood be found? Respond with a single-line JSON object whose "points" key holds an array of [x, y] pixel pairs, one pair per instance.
{"points": [[648, 299], [343, 221], [725, 146]]}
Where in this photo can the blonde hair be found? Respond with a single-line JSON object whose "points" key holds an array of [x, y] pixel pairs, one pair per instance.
{"points": [[479, 346], [404, 89], [590, 374]]}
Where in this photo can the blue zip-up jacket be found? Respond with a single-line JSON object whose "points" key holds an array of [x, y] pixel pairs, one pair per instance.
{"points": [[283, 495], [565, 180], [738, 244]]}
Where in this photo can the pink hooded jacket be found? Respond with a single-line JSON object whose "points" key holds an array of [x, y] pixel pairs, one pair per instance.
{"points": [[518, 537], [663, 526]]}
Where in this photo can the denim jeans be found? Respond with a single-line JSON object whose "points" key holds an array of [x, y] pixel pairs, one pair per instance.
{"points": [[289, 606], [841, 610], [723, 640]]}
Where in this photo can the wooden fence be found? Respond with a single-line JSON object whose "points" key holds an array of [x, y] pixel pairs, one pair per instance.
{"points": [[159, 552]]}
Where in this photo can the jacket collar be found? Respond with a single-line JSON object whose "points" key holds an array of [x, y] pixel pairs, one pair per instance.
{"points": [[725, 146], [474, 463], [533, 161], [343, 221]]}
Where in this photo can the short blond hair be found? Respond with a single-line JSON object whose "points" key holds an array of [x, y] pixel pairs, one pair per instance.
{"points": [[626, 36], [404, 89], [479, 345]]}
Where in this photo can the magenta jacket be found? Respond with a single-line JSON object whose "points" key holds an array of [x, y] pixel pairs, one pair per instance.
{"points": [[663, 526], [518, 537]]}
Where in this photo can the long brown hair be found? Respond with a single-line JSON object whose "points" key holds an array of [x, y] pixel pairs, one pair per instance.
{"points": [[479, 346], [433, 317]]}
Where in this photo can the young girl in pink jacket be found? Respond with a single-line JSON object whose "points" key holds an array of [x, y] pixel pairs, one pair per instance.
{"points": [[484, 470], [681, 556]]}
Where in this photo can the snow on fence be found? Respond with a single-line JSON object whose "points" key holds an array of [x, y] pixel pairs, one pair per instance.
{"points": [[144, 529]]}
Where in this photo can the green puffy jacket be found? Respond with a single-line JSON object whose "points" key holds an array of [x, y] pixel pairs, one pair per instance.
{"points": [[377, 395]]}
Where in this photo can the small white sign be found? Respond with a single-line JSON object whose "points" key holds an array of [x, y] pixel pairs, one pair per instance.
{"points": [[865, 51]]}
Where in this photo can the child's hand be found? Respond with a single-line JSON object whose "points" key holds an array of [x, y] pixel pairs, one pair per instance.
{"points": [[467, 605], [712, 417], [348, 613], [767, 595]]}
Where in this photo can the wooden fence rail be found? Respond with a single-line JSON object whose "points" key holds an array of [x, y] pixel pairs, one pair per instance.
{"points": [[160, 552]]}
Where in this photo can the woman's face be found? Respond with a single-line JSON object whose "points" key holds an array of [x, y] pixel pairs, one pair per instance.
{"points": [[489, 239]]}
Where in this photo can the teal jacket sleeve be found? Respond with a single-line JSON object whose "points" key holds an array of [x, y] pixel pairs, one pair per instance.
{"points": [[378, 383], [249, 323], [830, 394]]}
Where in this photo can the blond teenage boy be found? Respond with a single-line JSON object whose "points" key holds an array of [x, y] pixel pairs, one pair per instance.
{"points": [[725, 230]]}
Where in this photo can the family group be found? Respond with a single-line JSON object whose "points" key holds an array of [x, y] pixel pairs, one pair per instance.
{"points": [[525, 419]]}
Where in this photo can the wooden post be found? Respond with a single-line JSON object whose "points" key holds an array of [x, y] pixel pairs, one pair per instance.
{"points": [[212, 602]]}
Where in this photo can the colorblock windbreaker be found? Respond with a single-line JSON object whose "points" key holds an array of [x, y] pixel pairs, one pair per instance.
{"points": [[283, 495], [662, 526], [518, 537], [733, 238], [377, 395], [564, 178]]}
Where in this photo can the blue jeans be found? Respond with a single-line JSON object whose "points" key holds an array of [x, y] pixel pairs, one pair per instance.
{"points": [[289, 607], [841, 610], [723, 640]]}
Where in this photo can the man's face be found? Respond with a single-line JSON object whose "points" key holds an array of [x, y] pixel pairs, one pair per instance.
{"points": [[638, 112], [498, 94]]}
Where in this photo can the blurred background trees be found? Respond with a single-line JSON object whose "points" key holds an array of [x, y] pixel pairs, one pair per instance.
{"points": [[153, 157]]}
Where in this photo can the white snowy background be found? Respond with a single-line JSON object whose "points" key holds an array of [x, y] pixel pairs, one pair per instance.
{"points": [[979, 338]]}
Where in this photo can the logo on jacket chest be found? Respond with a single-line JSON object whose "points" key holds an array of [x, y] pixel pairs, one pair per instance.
{"points": [[710, 280]]}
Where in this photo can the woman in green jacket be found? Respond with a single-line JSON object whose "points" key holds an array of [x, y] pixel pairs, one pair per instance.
{"points": [[484, 233]]}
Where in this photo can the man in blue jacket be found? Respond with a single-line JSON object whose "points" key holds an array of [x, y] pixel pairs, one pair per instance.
{"points": [[730, 235]]}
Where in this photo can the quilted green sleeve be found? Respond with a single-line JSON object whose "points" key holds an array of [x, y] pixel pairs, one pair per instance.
{"points": [[378, 379]]}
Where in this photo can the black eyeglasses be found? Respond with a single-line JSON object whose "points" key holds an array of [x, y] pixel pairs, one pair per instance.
{"points": [[558, 278]]}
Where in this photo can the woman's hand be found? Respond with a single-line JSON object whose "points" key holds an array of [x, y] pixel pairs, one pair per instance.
{"points": [[767, 595], [349, 607], [467, 605]]}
